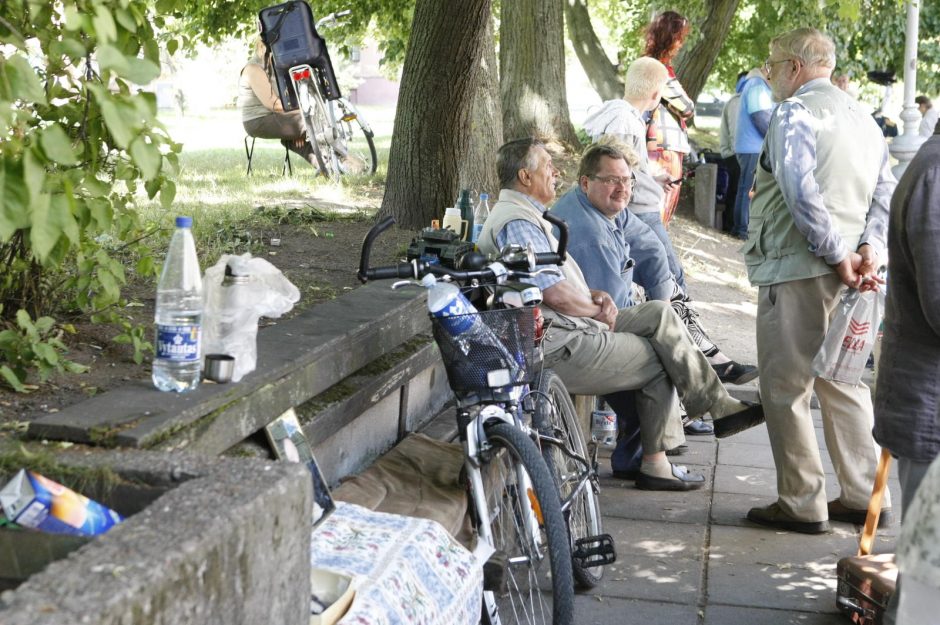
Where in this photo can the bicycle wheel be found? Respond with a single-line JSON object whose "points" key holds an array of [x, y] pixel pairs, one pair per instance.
{"points": [[526, 522], [556, 418], [320, 130], [361, 157]]}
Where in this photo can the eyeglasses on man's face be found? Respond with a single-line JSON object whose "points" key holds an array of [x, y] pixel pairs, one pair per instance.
{"points": [[768, 64], [613, 181]]}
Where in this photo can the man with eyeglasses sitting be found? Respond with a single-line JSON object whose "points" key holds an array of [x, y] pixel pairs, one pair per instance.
{"points": [[615, 249], [598, 349]]}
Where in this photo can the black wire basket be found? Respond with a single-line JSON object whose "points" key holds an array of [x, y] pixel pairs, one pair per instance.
{"points": [[487, 350]]}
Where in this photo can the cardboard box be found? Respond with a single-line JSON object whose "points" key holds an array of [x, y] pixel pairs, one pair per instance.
{"points": [[35, 501]]}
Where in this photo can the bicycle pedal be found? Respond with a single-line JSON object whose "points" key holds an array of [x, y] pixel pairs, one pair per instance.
{"points": [[494, 572], [594, 551], [348, 117]]}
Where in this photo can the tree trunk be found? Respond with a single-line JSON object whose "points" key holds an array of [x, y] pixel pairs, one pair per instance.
{"points": [[478, 169], [431, 135], [532, 71], [695, 64], [600, 71]]}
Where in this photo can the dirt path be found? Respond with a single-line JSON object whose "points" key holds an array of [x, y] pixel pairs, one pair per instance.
{"points": [[718, 286]]}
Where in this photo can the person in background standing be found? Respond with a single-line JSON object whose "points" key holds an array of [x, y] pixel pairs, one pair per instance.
{"points": [[668, 142], [818, 225], [726, 135], [753, 119], [930, 115]]}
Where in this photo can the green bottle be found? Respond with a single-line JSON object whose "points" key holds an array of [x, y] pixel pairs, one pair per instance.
{"points": [[466, 210]]}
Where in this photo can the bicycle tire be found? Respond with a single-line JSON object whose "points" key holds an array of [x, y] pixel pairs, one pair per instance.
{"points": [[556, 417], [531, 586], [361, 157], [307, 96], [320, 123]]}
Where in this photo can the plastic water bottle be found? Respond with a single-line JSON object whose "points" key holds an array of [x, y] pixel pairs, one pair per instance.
{"points": [[178, 358], [604, 426], [480, 214], [474, 338]]}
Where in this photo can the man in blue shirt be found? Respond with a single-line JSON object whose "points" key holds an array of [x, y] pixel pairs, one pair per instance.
{"points": [[597, 349], [753, 119]]}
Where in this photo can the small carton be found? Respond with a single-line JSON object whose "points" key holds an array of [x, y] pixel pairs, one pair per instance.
{"points": [[35, 501]]}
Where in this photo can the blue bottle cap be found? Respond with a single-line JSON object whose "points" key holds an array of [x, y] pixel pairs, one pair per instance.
{"points": [[184, 222], [484, 196]]}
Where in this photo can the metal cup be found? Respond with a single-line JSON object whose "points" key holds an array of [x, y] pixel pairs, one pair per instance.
{"points": [[220, 367]]}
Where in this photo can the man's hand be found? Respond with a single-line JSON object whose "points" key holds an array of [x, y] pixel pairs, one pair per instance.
{"points": [[608, 313], [868, 269], [848, 270]]}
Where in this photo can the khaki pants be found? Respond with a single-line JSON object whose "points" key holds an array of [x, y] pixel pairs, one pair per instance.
{"points": [[649, 351], [792, 319]]}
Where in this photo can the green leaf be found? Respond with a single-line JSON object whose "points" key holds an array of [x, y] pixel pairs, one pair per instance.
{"points": [[74, 367], [23, 81], [47, 353], [10, 378], [14, 200], [141, 71], [51, 220], [57, 146], [146, 156], [34, 174], [109, 283], [167, 194], [110, 58], [73, 18], [125, 19], [172, 46], [24, 321], [117, 124], [105, 29]]}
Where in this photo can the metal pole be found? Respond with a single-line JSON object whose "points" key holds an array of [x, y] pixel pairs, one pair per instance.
{"points": [[905, 146]]}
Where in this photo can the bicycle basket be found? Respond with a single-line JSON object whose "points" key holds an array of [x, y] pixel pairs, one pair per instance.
{"points": [[498, 352]]}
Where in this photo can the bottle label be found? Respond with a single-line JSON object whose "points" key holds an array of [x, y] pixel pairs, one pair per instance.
{"points": [[178, 343], [477, 229]]}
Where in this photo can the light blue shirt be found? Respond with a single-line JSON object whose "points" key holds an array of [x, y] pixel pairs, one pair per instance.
{"points": [[792, 153], [755, 97], [522, 232]]}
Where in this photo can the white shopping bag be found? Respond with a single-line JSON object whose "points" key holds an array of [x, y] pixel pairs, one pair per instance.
{"points": [[850, 338]]}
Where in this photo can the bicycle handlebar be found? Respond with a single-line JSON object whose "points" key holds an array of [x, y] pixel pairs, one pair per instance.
{"points": [[417, 268], [332, 18]]}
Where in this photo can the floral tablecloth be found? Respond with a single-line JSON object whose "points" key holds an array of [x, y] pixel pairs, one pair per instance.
{"points": [[405, 570]]}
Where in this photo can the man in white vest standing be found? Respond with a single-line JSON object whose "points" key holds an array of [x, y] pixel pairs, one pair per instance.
{"points": [[598, 349], [818, 224]]}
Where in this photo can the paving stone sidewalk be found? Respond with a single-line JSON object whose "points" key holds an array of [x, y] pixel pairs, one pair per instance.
{"points": [[692, 559]]}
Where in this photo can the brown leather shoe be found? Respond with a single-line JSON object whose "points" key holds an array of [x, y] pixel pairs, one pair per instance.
{"points": [[839, 512], [774, 516]]}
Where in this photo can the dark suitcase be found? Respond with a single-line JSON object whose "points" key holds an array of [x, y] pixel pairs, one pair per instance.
{"points": [[289, 32], [866, 582]]}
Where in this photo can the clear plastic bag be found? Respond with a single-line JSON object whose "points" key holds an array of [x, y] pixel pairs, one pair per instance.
{"points": [[850, 338], [252, 289]]}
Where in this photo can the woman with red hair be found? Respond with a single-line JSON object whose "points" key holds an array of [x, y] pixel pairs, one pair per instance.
{"points": [[668, 142]]}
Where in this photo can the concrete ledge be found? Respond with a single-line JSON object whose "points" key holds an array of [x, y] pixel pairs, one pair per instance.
{"points": [[228, 544], [297, 359]]}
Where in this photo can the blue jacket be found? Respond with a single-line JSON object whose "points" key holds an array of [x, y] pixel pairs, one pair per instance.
{"points": [[612, 254]]}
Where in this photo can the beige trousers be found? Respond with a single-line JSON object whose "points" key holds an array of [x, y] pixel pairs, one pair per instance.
{"points": [[650, 351], [792, 319]]}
